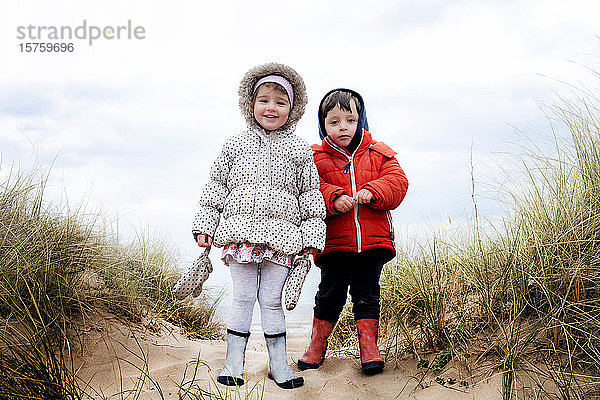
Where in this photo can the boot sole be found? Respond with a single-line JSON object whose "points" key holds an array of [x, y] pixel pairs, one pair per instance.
{"points": [[303, 365], [291, 384], [372, 367], [230, 380]]}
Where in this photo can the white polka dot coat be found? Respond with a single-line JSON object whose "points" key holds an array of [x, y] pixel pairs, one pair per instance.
{"points": [[264, 186]]}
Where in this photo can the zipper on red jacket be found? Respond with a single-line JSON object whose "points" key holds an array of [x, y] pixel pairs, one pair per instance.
{"points": [[354, 191], [353, 180]]}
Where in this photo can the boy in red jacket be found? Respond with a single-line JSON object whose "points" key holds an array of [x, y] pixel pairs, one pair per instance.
{"points": [[361, 181]]}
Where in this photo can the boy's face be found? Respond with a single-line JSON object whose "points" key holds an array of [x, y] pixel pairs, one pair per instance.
{"points": [[340, 125], [271, 108]]}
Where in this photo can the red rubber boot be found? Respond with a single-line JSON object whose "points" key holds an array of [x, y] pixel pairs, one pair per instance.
{"points": [[315, 354], [370, 359]]}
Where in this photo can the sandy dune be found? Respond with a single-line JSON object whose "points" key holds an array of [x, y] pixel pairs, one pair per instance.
{"points": [[112, 362]]}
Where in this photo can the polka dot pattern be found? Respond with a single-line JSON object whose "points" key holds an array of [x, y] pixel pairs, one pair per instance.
{"points": [[190, 283], [295, 280], [264, 188]]}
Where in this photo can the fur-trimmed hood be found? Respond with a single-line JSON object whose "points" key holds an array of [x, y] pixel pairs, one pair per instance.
{"points": [[250, 79]]}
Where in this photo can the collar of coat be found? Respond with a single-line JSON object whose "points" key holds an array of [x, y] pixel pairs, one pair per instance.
{"points": [[272, 135], [367, 143]]}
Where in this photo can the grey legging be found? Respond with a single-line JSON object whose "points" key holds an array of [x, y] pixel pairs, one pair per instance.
{"points": [[251, 281]]}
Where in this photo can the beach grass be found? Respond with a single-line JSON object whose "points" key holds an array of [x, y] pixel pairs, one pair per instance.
{"points": [[526, 296], [57, 267]]}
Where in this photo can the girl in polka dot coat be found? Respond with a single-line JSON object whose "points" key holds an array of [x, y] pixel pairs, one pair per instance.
{"points": [[263, 206]]}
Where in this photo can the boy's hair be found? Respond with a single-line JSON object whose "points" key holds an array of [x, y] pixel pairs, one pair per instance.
{"points": [[340, 98], [271, 85]]}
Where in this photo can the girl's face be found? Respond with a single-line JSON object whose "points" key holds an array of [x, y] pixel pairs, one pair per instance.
{"points": [[271, 108], [341, 125]]}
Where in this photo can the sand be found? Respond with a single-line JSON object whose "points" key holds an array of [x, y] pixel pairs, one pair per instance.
{"points": [[115, 356]]}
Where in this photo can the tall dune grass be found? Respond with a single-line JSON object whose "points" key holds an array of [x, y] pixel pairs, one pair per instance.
{"points": [[525, 300], [56, 268]]}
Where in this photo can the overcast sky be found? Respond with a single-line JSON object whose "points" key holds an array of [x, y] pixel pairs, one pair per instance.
{"points": [[133, 125]]}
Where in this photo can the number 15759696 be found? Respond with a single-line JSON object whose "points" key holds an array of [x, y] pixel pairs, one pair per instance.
{"points": [[37, 47]]}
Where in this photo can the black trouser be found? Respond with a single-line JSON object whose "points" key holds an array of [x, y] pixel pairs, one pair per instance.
{"points": [[360, 272]]}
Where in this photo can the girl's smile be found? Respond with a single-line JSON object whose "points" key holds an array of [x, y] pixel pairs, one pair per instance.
{"points": [[271, 108]]}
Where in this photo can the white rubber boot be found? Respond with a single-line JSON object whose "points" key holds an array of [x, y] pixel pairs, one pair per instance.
{"points": [[279, 370], [233, 372]]}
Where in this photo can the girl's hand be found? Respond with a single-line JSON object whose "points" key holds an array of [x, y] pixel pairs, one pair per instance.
{"points": [[311, 250], [204, 240], [344, 203], [364, 196]]}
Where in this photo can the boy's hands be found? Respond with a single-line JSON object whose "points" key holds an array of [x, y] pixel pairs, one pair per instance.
{"points": [[364, 196], [344, 203], [204, 240]]}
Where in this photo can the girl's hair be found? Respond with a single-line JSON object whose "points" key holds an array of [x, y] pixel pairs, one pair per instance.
{"points": [[271, 85], [341, 98]]}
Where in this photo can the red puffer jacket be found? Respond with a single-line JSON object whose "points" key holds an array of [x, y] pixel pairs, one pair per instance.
{"points": [[373, 167]]}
